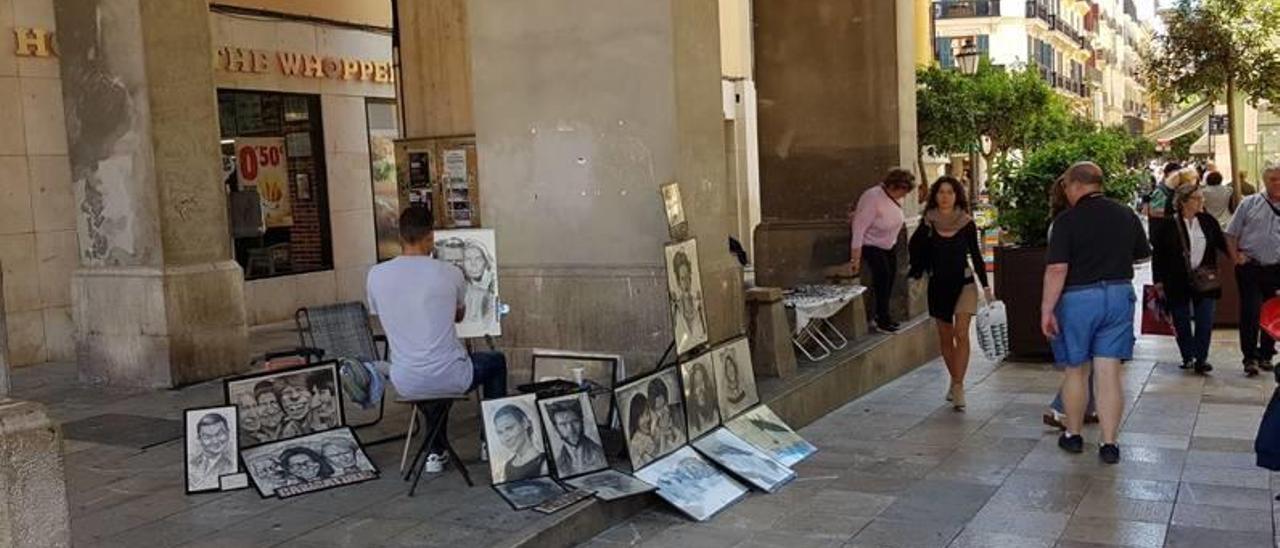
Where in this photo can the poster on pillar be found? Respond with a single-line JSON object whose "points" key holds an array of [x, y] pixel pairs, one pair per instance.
{"points": [[263, 164]]}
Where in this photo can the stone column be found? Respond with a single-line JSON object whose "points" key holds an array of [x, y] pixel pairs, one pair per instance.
{"points": [[582, 110], [157, 299], [836, 86], [33, 508], [4, 344]]}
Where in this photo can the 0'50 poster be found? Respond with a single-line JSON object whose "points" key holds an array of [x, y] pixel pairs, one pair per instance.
{"points": [[263, 165]]}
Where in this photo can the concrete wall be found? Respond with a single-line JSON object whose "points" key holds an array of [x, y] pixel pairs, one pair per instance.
{"points": [[346, 134], [37, 221], [582, 112], [837, 104]]}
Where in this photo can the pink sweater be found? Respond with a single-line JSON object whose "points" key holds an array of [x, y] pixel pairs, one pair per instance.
{"points": [[877, 220]]}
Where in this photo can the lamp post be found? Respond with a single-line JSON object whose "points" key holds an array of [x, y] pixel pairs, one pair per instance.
{"points": [[967, 58]]}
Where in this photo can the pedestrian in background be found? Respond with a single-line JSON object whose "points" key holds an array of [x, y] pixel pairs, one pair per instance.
{"points": [[945, 245], [1218, 198], [876, 222], [1253, 240], [1088, 304], [1184, 260]]}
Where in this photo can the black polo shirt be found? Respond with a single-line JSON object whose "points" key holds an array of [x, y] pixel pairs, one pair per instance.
{"points": [[1099, 240]]}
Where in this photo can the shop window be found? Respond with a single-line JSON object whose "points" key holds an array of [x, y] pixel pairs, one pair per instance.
{"points": [[384, 129], [274, 169]]}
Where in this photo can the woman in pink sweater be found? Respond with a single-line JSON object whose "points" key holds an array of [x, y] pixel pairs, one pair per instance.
{"points": [[877, 220]]}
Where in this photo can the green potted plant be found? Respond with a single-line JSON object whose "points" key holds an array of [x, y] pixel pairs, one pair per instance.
{"points": [[1020, 190]]}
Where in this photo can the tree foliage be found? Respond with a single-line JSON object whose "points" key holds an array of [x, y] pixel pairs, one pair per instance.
{"points": [[1021, 187], [1012, 108], [1210, 44]]}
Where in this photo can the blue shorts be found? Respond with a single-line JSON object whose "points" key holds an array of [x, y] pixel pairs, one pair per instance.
{"points": [[1094, 321]]}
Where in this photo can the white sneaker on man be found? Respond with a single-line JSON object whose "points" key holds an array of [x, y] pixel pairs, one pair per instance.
{"points": [[435, 463]]}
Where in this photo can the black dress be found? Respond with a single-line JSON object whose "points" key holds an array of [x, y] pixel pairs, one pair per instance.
{"points": [[946, 259]]}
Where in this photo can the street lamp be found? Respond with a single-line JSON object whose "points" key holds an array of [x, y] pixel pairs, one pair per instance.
{"points": [[967, 58]]}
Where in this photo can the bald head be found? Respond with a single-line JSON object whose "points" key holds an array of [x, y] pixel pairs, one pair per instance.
{"points": [[1081, 179]]}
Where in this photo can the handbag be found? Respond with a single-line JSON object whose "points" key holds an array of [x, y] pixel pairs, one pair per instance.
{"points": [[1155, 316], [1203, 279]]}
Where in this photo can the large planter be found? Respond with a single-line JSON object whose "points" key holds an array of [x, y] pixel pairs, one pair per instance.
{"points": [[1019, 282]]}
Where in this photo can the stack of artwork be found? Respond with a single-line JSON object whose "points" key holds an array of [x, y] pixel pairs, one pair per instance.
{"points": [[528, 456], [288, 429]]}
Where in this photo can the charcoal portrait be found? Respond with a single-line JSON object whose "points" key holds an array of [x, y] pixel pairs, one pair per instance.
{"points": [[701, 406], [211, 446], [575, 438], [285, 404], [684, 283]]}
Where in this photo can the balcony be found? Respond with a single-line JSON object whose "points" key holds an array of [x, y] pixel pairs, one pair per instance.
{"points": [[1043, 13], [962, 9], [1064, 82]]}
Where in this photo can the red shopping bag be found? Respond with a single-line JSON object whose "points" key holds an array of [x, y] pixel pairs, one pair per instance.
{"points": [[1270, 317], [1155, 317]]}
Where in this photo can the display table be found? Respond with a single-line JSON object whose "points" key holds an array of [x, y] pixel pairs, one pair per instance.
{"points": [[814, 305]]}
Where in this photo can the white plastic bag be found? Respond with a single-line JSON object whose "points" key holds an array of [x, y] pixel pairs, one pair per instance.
{"points": [[992, 323]]}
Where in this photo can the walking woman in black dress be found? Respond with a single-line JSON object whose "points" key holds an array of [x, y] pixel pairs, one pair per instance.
{"points": [[943, 246]]}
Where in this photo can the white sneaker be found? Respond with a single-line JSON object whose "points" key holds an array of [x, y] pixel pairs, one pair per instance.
{"points": [[484, 451], [435, 463]]}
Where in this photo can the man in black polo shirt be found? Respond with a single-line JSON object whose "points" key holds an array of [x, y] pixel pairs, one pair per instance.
{"points": [[1088, 304]]}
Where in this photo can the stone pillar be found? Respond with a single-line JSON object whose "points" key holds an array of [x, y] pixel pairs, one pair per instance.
{"points": [[33, 508], [157, 299], [4, 344], [582, 110]]}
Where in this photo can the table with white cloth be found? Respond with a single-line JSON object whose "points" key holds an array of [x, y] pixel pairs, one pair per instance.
{"points": [[814, 305]]}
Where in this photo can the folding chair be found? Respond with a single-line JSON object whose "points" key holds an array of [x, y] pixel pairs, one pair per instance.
{"points": [[342, 331]]}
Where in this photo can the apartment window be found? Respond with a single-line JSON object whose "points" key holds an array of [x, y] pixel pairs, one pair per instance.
{"points": [[274, 169]]}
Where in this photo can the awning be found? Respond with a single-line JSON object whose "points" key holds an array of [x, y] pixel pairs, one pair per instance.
{"points": [[1191, 119], [1201, 146]]}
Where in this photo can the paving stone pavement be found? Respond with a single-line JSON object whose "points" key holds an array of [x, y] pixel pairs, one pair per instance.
{"points": [[899, 468]]}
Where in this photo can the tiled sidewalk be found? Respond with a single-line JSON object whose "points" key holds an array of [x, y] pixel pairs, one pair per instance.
{"points": [[899, 468]]}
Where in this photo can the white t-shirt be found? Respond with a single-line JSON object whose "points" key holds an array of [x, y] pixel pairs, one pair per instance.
{"points": [[416, 298]]}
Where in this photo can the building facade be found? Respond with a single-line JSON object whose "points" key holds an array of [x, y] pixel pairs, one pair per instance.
{"points": [[313, 88], [1086, 49]]}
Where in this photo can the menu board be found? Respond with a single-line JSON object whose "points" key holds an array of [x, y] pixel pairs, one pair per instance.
{"points": [[261, 162]]}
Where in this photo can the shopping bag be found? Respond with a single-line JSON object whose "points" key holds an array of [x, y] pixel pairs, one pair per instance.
{"points": [[1267, 443], [1155, 317], [992, 323], [993, 330], [1270, 317]]}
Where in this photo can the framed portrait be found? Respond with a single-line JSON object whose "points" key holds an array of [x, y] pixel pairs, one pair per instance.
{"points": [[762, 428], [307, 464], [673, 204], [528, 493], [684, 285], [652, 412], [691, 484], [212, 448], [561, 502], [598, 373], [702, 408], [610, 485], [574, 438], [735, 378], [277, 405], [514, 435], [474, 251], [744, 460]]}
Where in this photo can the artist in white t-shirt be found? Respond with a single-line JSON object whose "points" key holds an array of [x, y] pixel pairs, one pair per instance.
{"points": [[419, 299]]}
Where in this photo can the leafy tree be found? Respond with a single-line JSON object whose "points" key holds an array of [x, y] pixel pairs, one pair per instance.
{"points": [[1224, 49], [1020, 187], [1013, 109]]}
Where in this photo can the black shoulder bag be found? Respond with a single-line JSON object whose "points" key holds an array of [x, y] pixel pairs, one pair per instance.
{"points": [[1203, 279]]}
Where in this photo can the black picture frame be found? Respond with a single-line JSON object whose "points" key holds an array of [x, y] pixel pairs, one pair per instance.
{"points": [[602, 398], [253, 480], [675, 390], [304, 369], [513, 484], [186, 445]]}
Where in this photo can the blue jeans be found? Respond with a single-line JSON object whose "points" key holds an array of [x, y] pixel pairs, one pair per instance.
{"points": [[489, 371], [1193, 342], [1089, 410]]}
